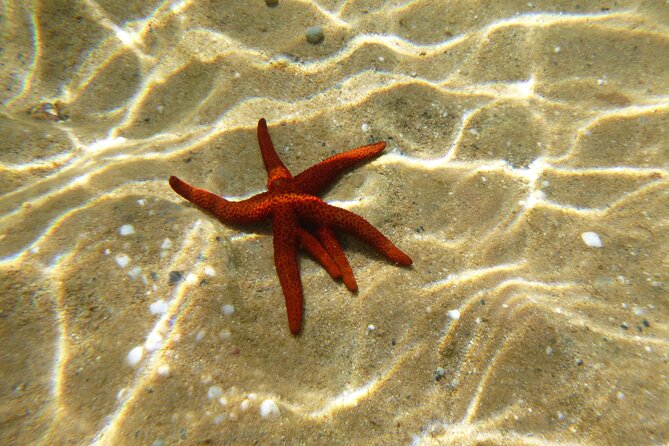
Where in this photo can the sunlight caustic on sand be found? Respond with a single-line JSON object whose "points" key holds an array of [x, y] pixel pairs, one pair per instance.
{"points": [[526, 173]]}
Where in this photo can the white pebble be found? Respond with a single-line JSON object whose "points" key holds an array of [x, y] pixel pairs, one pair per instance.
{"points": [[122, 260], [141, 202], [454, 314], [269, 408], [164, 370], [163, 328], [191, 279], [592, 239], [228, 309], [209, 271], [126, 230], [244, 405], [135, 355], [166, 244], [214, 392], [158, 307], [223, 401], [365, 127], [371, 327], [556, 49], [153, 341]]}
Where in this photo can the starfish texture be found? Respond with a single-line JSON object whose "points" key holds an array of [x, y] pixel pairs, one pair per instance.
{"points": [[290, 201]]}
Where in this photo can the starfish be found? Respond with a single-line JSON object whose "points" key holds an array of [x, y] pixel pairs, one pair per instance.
{"points": [[290, 201]]}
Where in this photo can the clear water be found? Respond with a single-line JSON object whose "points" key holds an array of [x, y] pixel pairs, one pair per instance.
{"points": [[127, 316]]}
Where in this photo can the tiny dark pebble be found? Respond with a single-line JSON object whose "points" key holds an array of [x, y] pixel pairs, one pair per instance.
{"points": [[315, 34], [624, 326], [393, 341], [175, 277], [645, 323], [579, 361], [439, 373], [482, 301], [272, 3]]}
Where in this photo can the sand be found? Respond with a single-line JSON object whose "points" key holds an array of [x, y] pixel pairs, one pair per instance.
{"points": [[526, 174]]}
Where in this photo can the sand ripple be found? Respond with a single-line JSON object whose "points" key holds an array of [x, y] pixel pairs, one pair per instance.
{"points": [[513, 129]]}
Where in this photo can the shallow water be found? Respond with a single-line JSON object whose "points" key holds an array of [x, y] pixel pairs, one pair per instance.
{"points": [[513, 129]]}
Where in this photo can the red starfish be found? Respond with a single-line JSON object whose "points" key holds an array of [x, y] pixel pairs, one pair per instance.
{"points": [[290, 200]]}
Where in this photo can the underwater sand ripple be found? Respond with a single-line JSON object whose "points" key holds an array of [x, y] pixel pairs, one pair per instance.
{"points": [[511, 133]]}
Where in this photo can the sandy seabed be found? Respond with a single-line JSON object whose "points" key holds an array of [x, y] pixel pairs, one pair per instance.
{"points": [[513, 128]]}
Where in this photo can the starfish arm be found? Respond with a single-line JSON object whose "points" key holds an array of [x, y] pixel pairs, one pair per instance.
{"points": [[331, 244], [316, 178], [319, 212], [275, 168], [255, 209], [285, 227], [318, 252]]}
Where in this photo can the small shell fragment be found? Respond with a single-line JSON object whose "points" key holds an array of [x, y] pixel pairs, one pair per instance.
{"points": [[47, 111]]}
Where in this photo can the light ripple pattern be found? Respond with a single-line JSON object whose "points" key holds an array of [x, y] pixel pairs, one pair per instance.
{"points": [[513, 129]]}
